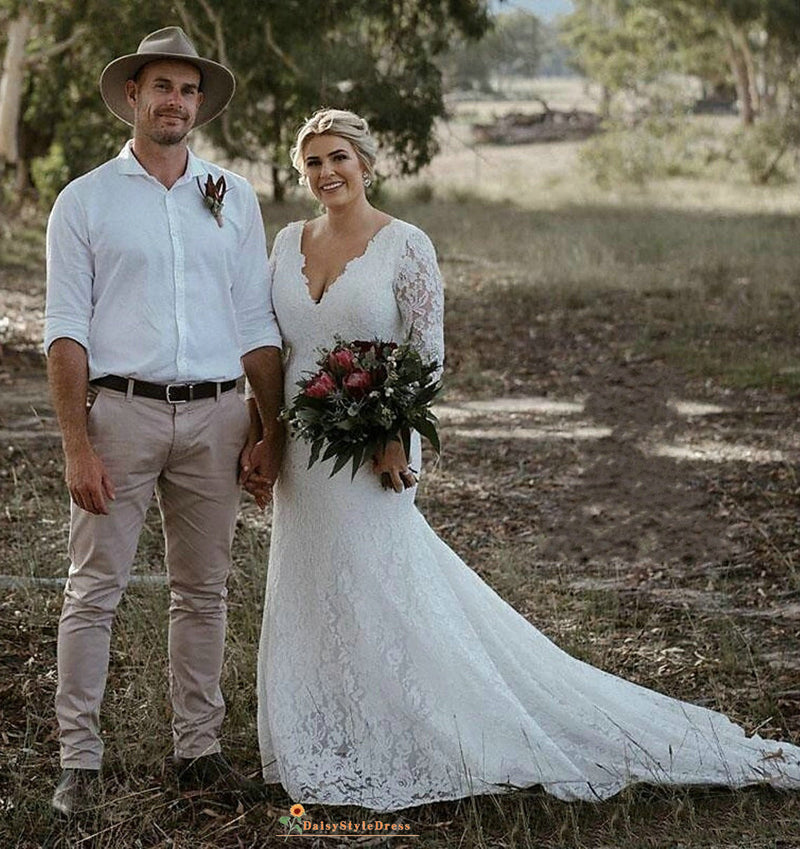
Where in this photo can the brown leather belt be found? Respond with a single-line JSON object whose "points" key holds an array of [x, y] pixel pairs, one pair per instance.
{"points": [[172, 393]]}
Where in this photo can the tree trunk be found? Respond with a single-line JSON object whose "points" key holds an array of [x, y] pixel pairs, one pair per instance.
{"points": [[750, 65], [11, 88], [741, 79], [775, 71], [605, 102], [278, 186], [278, 182]]}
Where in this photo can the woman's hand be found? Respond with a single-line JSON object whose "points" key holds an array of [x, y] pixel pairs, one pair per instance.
{"points": [[261, 457], [391, 466], [264, 468]]}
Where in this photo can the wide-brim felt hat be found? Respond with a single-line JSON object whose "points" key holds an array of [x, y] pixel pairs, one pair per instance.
{"points": [[217, 82]]}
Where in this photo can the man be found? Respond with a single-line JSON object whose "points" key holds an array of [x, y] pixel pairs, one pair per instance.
{"points": [[158, 292]]}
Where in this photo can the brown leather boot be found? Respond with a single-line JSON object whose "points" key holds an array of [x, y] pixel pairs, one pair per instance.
{"points": [[215, 775]]}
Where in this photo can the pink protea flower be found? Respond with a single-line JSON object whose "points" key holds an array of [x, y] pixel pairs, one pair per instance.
{"points": [[341, 360], [321, 386], [358, 383]]}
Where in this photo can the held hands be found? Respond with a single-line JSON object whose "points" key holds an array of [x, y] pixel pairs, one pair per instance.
{"points": [[259, 464], [88, 482], [391, 466]]}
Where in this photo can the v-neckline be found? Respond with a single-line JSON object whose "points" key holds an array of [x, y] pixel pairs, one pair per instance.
{"points": [[345, 267]]}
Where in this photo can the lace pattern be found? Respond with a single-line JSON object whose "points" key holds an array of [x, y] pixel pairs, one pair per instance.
{"points": [[389, 674], [419, 291]]}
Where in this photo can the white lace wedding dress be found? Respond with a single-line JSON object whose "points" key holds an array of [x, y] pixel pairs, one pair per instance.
{"points": [[389, 674]]}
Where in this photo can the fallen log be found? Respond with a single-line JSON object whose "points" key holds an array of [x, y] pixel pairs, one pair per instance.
{"points": [[548, 126]]}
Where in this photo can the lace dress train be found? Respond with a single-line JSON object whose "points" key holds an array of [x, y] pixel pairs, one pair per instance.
{"points": [[389, 674]]}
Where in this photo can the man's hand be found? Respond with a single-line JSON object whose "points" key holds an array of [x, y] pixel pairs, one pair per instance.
{"points": [[245, 463], [260, 465], [262, 455], [88, 482]]}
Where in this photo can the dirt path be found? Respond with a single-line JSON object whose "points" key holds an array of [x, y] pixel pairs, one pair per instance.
{"points": [[627, 480], [646, 522]]}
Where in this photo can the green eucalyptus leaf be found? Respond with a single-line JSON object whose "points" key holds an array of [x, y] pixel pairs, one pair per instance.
{"points": [[341, 462]]}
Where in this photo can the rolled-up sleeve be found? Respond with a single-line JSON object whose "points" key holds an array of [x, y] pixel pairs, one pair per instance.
{"points": [[252, 288], [70, 272]]}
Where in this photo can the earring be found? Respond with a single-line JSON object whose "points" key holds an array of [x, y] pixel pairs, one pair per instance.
{"points": [[367, 180]]}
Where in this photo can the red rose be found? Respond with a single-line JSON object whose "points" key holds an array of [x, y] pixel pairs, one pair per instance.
{"points": [[320, 386], [358, 383], [341, 360]]}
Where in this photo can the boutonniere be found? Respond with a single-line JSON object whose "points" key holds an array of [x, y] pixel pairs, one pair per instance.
{"points": [[214, 196]]}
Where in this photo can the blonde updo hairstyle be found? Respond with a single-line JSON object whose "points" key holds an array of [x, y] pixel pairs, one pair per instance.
{"points": [[336, 122]]}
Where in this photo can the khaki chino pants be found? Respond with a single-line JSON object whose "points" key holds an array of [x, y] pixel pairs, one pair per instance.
{"points": [[188, 455]]}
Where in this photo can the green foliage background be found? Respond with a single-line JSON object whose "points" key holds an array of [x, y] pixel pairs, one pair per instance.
{"points": [[374, 56]]}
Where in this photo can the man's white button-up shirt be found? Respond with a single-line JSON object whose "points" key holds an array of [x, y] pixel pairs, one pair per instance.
{"points": [[144, 278]]}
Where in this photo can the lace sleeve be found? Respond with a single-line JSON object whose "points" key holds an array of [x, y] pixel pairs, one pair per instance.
{"points": [[419, 291]]}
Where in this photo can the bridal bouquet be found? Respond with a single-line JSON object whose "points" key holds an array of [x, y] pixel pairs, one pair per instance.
{"points": [[364, 394]]}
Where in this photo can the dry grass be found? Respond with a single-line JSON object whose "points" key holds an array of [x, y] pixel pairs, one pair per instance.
{"points": [[551, 176], [618, 633], [565, 291]]}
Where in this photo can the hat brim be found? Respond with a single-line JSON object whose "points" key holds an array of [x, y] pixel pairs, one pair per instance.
{"points": [[218, 84]]}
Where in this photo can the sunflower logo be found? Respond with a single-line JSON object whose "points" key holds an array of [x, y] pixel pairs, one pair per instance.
{"points": [[292, 822]]}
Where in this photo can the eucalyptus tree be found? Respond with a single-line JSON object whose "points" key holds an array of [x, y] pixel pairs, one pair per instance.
{"points": [[50, 111], [513, 47], [289, 57], [377, 57], [753, 43], [622, 45]]}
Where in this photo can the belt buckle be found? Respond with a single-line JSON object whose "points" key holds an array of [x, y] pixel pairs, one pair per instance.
{"points": [[170, 386]]}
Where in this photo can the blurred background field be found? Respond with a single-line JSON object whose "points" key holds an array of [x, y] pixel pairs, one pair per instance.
{"points": [[619, 418]]}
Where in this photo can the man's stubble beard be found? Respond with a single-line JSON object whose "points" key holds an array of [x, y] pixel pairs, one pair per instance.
{"points": [[167, 138], [164, 137]]}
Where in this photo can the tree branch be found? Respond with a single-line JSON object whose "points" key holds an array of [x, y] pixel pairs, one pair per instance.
{"points": [[281, 54], [227, 134], [218, 42], [41, 56], [192, 28], [185, 19]]}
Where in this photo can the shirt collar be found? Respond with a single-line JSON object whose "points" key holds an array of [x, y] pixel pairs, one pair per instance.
{"points": [[129, 164], [194, 167]]}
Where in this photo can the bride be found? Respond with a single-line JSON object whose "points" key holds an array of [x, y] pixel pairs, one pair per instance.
{"points": [[389, 674]]}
